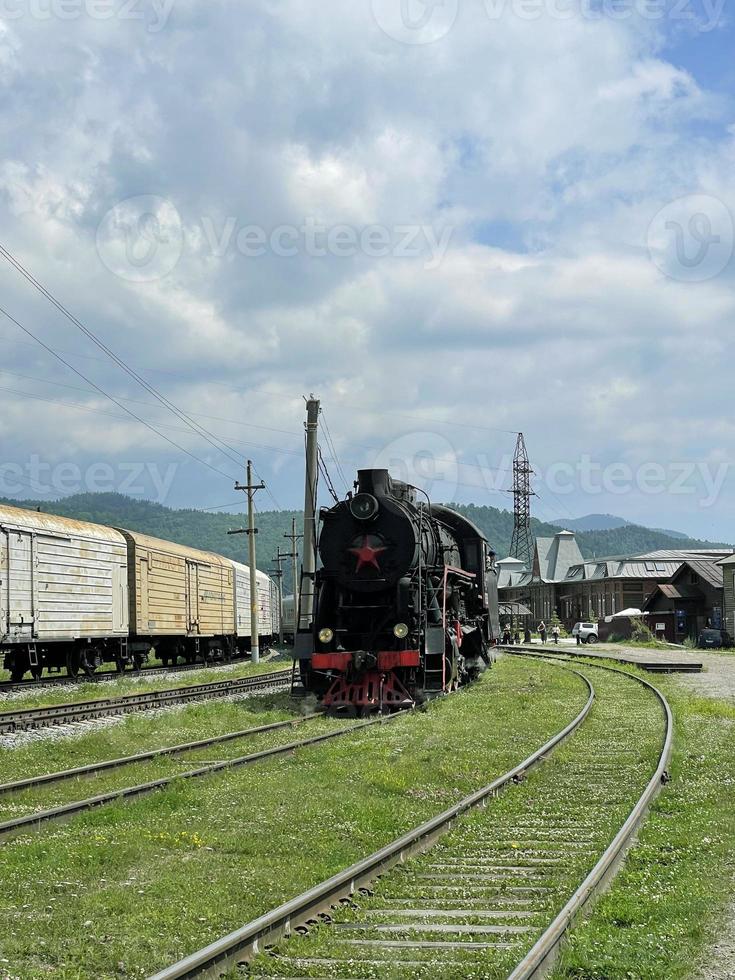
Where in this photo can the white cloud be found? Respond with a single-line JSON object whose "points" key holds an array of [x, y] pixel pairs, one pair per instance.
{"points": [[546, 147]]}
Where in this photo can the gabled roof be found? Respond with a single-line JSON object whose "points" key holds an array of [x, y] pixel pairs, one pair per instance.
{"points": [[509, 579], [710, 571], [555, 556]]}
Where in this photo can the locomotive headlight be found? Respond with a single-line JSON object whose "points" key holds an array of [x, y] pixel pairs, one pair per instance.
{"points": [[400, 631], [326, 635]]}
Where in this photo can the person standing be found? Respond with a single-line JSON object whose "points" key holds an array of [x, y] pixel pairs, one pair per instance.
{"points": [[542, 631], [555, 633]]}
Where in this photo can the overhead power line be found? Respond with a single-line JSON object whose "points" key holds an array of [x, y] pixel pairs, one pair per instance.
{"points": [[333, 449], [112, 398], [203, 432]]}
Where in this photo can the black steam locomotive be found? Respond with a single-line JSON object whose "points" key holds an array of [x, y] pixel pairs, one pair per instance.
{"points": [[406, 600]]}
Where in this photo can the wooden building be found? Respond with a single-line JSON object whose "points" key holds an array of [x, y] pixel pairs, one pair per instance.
{"points": [[580, 589]]}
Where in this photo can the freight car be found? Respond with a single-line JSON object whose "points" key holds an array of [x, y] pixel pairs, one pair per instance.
{"points": [[75, 595], [289, 618], [406, 600]]}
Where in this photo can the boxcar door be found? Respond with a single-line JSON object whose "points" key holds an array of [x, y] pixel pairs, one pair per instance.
{"points": [[143, 605], [119, 598], [4, 583], [192, 590], [21, 574]]}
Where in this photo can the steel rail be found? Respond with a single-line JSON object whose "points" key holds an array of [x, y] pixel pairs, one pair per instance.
{"points": [[671, 666], [34, 820], [23, 719], [52, 680], [95, 767], [279, 923], [540, 958]]}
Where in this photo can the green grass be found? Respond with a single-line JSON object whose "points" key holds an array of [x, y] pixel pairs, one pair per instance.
{"points": [[128, 684], [665, 908], [131, 887], [39, 798], [137, 733], [567, 788]]}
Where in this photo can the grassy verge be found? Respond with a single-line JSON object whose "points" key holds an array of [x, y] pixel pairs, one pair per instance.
{"points": [[126, 889], [132, 733], [43, 696], [665, 907]]}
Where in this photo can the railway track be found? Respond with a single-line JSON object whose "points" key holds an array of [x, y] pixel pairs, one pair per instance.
{"points": [[496, 894], [23, 719], [40, 817], [112, 675]]}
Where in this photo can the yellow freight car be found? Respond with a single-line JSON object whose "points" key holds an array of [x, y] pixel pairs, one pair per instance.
{"points": [[181, 600]]}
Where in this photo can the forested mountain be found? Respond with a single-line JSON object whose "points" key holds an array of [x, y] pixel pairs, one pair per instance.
{"points": [[201, 529], [629, 539]]}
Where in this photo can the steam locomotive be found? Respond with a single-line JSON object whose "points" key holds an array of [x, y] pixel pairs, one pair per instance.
{"points": [[406, 600]]}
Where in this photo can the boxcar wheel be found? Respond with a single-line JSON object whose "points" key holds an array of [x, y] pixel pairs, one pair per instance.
{"points": [[36, 671], [16, 674]]}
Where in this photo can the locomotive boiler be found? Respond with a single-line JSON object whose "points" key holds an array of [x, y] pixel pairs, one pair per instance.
{"points": [[406, 600]]}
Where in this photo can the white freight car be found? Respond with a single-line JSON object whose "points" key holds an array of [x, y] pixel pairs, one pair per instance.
{"points": [[267, 607], [63, 593]]}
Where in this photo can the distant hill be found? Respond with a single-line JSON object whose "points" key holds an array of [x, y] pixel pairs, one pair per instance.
{"points": [[609, 522], [625, 539], [202, 529], [592, 522]]}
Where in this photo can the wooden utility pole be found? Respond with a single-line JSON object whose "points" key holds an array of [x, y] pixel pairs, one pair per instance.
{"points": [[308, 562], [278, 576], [251, 489], [293, 537]]}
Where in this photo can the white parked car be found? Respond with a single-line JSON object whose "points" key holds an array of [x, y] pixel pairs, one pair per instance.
{"points": [[587, 632]]}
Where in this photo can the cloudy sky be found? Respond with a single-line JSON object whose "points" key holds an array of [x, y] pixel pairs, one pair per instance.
{"points": [[451, 219]]}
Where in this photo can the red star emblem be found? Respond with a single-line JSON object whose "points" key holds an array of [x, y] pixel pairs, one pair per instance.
{"points": [[367, 554]]}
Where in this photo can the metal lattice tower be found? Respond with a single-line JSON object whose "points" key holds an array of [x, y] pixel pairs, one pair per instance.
{"points": [[521, 546]]}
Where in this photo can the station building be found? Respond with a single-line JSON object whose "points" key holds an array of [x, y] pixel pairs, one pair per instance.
{"points": [[579, 589]]}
